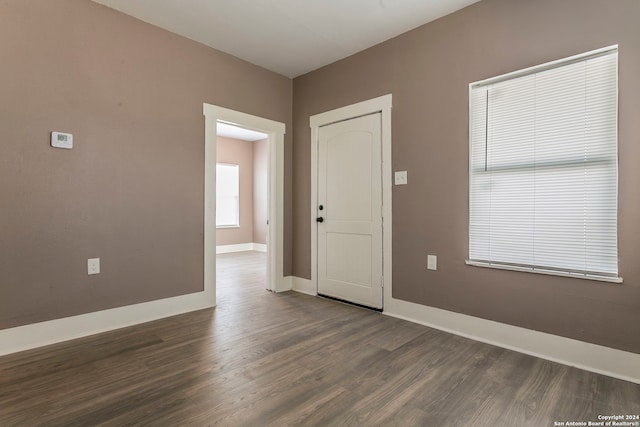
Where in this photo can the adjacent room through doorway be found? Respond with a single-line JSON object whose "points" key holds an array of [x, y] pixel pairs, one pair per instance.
{"points": [[241, 211]]}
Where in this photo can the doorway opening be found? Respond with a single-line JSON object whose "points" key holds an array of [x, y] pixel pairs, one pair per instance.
{"points": [[241, 210], [218, 118]]}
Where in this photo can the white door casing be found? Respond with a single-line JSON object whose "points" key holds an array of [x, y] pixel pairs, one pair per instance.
{"points": [[350, 210], [275, 172], [381, 104]]}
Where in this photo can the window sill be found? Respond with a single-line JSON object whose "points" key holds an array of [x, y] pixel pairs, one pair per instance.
{"points": [[227, 226], [547, 272]]}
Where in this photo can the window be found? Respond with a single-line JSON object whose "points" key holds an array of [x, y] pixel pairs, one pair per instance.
{"points": [[543, 179], [227, 195]]}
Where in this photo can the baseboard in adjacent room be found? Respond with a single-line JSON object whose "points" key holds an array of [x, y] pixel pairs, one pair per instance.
{"points": [[241, 247]]}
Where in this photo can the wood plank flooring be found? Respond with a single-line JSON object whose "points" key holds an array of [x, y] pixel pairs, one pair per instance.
{"points": [[264, 359]]}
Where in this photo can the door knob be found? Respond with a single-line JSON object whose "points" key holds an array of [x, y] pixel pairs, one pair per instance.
{"points": [[320, 219]]}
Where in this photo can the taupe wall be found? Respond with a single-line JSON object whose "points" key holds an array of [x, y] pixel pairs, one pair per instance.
{"points": [[260, 190], [428, 71], [238, 152], [131, 190]]}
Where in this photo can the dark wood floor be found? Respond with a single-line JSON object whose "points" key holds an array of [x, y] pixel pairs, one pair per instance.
{"points": [[290, 359]]}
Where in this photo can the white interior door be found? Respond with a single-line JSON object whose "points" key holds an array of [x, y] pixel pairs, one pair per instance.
{"points": [[349, 210]]}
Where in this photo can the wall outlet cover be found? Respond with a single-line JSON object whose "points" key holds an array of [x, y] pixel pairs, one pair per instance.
{"points": [[93, 266], [401, 178], [432, 262]]}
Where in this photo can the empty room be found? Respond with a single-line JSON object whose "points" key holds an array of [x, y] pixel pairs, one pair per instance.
{"points": [[421, 213]]}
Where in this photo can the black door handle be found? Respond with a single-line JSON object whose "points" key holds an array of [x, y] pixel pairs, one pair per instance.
{"points": [[320, 219]]}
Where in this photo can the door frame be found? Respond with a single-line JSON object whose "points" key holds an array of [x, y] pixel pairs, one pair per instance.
{"points": [[383, 105], [275, 171]]}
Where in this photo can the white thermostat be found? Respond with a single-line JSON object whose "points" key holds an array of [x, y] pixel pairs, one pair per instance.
{"points": [[61, 140]]}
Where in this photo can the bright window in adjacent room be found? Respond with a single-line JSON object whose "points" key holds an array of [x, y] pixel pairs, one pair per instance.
{"points": [[543, 187], [227, 195]]}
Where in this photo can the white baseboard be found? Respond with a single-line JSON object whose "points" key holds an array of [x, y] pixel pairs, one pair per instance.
{"points": [[591, 357], [304, 286], [40, 334], [241, 247], [287, 284], [227, 249]]}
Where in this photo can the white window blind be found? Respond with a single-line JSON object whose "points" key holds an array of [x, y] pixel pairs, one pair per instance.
{"points": [[227, 195], [544, 168]]}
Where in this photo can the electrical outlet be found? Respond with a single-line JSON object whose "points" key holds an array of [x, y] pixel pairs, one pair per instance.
{"points": [[93, 266], [432, 262], [401, 178]]}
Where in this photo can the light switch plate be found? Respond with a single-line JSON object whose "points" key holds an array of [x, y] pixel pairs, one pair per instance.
{"points": [[432, 262], [93, 266], [62, 140], [401, 177]]}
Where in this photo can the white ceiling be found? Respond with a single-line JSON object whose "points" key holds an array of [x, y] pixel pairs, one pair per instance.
{"points": [[231, 131], [290, 37]]}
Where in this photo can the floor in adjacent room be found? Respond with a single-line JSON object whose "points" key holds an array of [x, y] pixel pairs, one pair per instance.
{"points": [[290, 359]]}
